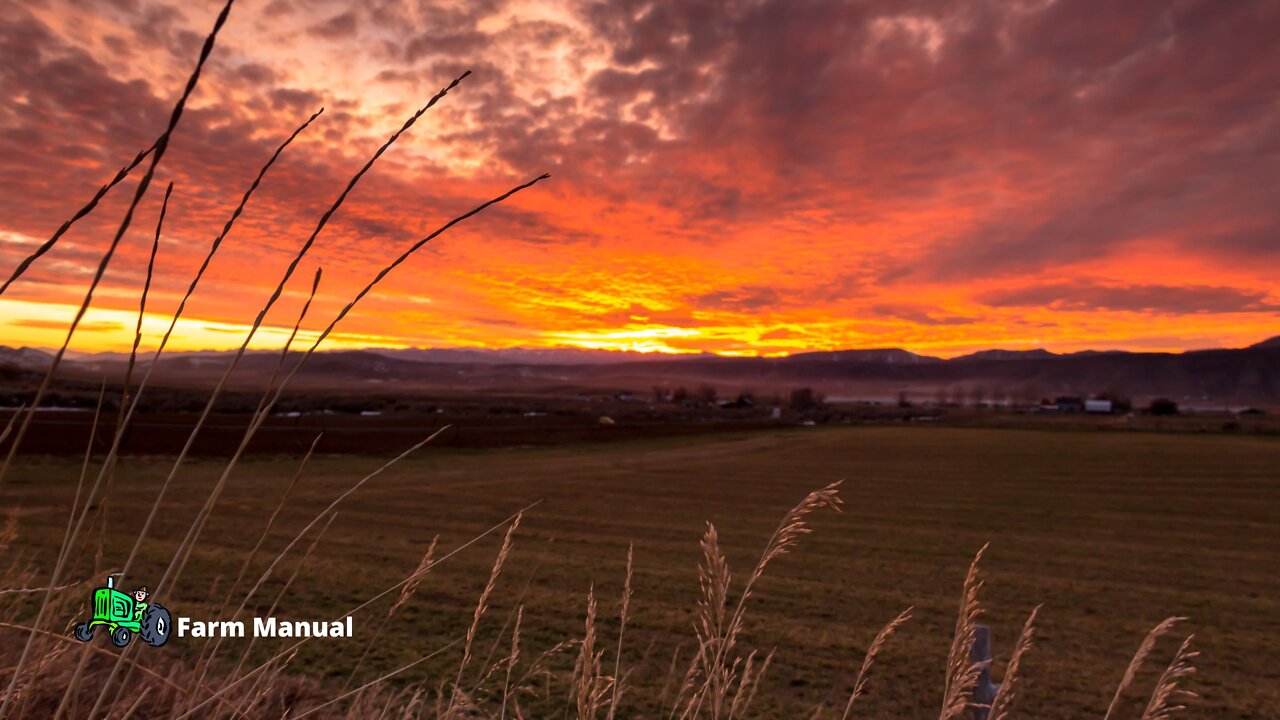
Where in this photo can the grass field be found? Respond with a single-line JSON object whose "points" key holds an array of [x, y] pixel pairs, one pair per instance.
{"points": [[1112, 532]]}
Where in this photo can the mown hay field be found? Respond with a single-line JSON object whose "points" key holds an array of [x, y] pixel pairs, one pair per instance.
{"points": [[1111, 532]]}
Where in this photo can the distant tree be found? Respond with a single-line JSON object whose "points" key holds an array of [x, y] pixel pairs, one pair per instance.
{"points": [[1119, 403], [903, 400], [979, 395], [805, 399], [680, 395], [1030, 395], [706, 394], [1163, 406], [660, 393], [999, 396]]}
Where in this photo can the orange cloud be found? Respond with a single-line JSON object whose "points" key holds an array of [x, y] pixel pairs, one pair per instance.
{"points": [[757, 179]]}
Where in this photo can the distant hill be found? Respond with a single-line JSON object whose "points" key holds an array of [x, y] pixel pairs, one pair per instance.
{"points": [[1007, 355], [889, 356], [529, 356], [25, 358], [1245, 376], [1268, 343]]}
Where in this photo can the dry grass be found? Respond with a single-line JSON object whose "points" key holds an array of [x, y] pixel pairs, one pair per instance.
{"points": [[1004, 696], [47, 674], [271, 690], [860, 684], [962, 672]]}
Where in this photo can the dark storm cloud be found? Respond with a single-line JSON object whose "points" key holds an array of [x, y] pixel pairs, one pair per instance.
{"points": [[1105, 122]]}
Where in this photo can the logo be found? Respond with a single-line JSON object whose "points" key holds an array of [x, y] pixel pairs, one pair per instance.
{"points": [[125, 615]]}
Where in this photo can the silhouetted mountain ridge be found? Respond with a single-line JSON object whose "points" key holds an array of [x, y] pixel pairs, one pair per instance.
{"points": [[1232, 376]]}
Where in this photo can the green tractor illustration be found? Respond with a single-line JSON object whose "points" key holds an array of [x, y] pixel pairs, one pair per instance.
{"points": [[125, 615]]}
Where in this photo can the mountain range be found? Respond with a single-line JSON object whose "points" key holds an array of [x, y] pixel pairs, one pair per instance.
{"points": [[1227, 376]]}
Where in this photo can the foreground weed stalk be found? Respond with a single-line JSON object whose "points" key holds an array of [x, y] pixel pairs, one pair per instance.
{"points": [[83, 211], [161, 145]]}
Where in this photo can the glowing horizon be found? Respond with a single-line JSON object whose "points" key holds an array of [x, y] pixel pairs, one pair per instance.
{"points": [[763, 180]]}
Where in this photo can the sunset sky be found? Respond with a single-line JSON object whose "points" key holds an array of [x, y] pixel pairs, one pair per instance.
{"points": [[744, 177]]}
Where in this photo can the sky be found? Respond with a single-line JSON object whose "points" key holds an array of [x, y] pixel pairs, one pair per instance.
{"points": [[738, 177]]}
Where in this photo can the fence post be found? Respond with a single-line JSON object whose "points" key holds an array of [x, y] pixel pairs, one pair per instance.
{"points": [[984, 692]]}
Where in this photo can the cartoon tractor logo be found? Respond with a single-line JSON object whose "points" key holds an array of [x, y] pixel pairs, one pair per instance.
{"points": [[123, 615]]}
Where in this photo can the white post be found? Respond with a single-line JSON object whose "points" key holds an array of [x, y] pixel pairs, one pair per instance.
{"points": [[984, 692]]}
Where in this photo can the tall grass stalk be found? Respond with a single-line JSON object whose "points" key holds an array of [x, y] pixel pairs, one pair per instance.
{"points": [[257, 323], [87, 208], [256, 419], [512, 659], [1012, 674], [1139, 657], [109, 465], [456, 698], [157, 154], [235, 681], [424, 566], [203, 660], [717, 677], [1166, 696], [118, 438], [882, 637], [622, 629], [962, 672]]}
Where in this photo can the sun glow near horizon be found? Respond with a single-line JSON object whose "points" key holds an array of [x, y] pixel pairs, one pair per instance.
{"points": [[815, 180]]}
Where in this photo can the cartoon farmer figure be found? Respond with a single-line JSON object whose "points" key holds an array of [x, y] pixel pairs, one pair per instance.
{"points": [[139, 602], [125, 615]]}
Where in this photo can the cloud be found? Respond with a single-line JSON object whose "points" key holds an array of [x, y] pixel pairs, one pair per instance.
{"points": [[1167, 299], [743, 298], [343, 25], [865, 170], [920, 315], [86, 326]]}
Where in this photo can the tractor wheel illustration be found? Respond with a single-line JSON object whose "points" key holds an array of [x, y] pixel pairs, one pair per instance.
{"points": [[120, 637], [155, 626], [83, 632]]}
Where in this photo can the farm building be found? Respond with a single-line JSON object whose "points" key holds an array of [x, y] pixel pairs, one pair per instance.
{"points": [[1100, 407]]}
